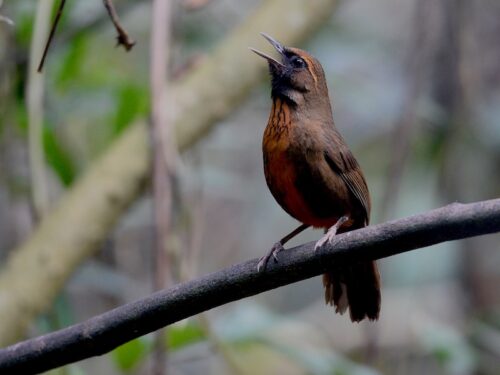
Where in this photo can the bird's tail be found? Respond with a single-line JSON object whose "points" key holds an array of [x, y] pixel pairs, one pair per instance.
{"points": [[355, 286]]}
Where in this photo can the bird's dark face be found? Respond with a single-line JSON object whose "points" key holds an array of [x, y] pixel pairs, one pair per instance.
{"points": [[298, 78]]}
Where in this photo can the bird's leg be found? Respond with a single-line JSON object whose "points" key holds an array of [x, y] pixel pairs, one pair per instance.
{"points": [[278, 246], [330, 234]]}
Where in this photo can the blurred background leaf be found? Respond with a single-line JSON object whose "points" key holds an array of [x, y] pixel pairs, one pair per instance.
{"points": [[129, 355], [58, 157], [180, 335]]}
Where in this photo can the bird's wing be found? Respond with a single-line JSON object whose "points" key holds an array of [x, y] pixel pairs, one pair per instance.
{"points": [[342, 162]]}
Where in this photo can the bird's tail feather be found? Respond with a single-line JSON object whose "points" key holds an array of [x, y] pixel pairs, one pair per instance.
{"points": [[355, 286]]}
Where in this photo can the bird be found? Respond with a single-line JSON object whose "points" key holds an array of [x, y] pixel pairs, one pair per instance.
{"points": [[314, 177]]}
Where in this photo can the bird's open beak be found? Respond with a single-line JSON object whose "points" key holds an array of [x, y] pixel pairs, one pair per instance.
{"points": [[277, 45]]}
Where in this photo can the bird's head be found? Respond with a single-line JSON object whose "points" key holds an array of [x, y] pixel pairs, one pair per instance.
{"points": [[298, 78]]}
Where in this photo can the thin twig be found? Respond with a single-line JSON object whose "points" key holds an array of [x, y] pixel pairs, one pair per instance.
{"points": [[105, 332], [123, 38], [51, 35], [80, 27]]}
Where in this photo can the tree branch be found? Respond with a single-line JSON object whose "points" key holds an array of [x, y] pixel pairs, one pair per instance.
{"points": [[104, 332]]}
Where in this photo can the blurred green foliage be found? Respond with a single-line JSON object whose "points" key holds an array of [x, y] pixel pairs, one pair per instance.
{"points": [[58, 157], [181, 335], [70, 68], [128, 356], [132, 102]]}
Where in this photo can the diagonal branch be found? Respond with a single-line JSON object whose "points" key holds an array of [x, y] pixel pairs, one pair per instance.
{"points": [[104, 332], [51, 35]]}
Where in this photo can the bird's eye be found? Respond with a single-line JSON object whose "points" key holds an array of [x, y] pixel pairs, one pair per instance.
{"points": [[297, 62]]}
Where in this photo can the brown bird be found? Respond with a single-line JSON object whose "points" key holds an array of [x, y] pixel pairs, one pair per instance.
{"points": [[314, 177]]}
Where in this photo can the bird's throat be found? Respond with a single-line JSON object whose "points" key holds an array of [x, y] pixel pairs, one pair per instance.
{"points": [[280, 118]]}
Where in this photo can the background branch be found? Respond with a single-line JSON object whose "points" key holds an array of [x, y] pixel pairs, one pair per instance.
{"points": [[35, 110], [164, 162], [102, 333]]}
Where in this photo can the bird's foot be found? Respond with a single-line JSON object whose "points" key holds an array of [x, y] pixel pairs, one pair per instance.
{"points": [[331, 233], [277, 247]]}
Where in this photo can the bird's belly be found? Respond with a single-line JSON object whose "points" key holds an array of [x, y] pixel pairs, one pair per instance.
{"points": [[282, 177]]}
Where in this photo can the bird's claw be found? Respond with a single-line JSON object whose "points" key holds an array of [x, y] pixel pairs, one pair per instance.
{"points": [[277, 247], [329, 236]]}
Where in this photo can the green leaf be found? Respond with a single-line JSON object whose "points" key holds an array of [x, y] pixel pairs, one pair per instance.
{"points": [[58, 157], [181, 335], [21, 117], [442, 355], [24, 27], [132, 102], [72, 62], [129, 355]]}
